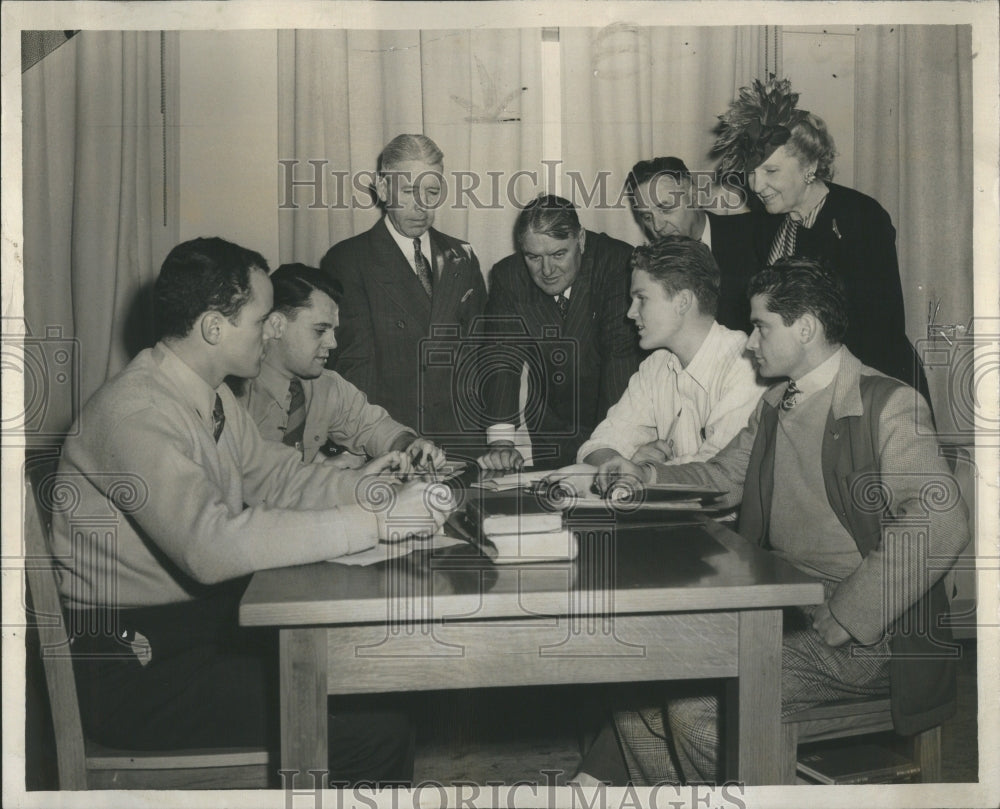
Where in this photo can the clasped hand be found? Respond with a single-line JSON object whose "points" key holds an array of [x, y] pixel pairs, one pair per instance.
{"points": [[414, 508], [421, 458]]}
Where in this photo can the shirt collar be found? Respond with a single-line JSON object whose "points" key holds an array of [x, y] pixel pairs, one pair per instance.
{"points": [[820, 376], [706, 234], [273, 380], [191, 388], [565, 293], [705, 360], [406, 243]]}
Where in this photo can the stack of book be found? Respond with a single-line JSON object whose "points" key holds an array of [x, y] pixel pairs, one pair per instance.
{"points": [[520, 527], [529, 537], [854, 764]]}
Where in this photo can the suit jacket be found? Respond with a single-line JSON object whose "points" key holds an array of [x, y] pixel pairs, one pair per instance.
{"points": [[578, 367], [401, 348], [856, 236], [738, 254]]}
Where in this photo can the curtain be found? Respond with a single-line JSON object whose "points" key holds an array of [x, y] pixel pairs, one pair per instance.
{"points": [[342, 95], [98, 192], [631, 93], [913, 153]]}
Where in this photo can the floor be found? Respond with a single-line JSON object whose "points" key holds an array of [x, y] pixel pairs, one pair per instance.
{"points": [[523, 734], [534, 735]]}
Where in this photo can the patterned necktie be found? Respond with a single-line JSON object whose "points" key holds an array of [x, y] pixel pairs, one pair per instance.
{"points": [[562, 302], [218, 418], [790, 397], [296, 424], [784, 240], [423, 268]]}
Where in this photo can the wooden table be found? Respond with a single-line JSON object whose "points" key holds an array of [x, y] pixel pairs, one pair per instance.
{"points": [[639, 603]]}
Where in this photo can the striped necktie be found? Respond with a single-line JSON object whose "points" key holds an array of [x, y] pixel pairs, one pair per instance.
{"points": [[423, 268], [296, 424], [218, 418]]}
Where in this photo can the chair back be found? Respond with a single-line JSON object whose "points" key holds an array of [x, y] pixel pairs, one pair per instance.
{"points": [[47, 614]]}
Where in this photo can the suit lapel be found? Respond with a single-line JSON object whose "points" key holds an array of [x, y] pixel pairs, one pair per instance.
{"points": [[450, 283], [394, 275], [579, 315]]}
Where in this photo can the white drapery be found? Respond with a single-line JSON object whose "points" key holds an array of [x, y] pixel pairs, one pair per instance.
{"points": [[97, 221], [913, 153], [342, 95], [631, 93]]}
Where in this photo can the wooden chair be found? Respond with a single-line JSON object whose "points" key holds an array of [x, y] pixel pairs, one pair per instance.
{"points": [[856, 717], [83, 764]]}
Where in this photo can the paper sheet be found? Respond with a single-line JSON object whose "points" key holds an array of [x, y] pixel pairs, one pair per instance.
{"points": [[393, 550]]}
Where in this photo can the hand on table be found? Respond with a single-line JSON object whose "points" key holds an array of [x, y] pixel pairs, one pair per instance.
{"points": [[501, 457], [425, 456], [622, 471], [658, 451], [828, 628], [576, 479], [396, 464]]}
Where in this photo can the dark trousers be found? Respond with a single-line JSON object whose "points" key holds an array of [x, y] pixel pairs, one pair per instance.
{"points": [[205, 682]]}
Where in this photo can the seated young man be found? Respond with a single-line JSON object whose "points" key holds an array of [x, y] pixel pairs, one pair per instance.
{"points": [[839, 473], [698, 387], [190, 500], [295, 401]]}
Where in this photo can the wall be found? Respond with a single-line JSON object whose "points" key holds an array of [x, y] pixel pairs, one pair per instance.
{"points": [[229, 137]]}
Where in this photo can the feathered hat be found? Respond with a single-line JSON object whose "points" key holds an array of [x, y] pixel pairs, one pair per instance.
{"points": [[759, 121]]}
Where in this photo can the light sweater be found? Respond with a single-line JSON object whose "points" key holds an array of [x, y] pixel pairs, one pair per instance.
{"points": [[156, 506]]}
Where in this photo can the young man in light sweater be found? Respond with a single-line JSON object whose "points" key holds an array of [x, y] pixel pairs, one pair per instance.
{"points": [[839, 473], [190, 500]]}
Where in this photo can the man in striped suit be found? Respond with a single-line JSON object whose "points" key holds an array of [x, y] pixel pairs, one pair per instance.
{"points": [[558, 305]]}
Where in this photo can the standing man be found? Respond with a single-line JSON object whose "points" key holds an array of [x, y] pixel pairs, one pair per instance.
{"points": [[192, 500], [404, 283], [663, 199], [698, 387], [559, 303], [296, 401], [849, 455]]}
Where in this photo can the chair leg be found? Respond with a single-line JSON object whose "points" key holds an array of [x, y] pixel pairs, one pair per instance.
{"points": [[789, 752], [927, 753]]}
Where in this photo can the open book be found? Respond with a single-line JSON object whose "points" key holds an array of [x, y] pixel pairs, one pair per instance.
{"points": [[573, 486]]}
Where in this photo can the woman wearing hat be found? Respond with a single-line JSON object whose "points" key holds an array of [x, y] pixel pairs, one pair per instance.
{"points": [[787, 157]]}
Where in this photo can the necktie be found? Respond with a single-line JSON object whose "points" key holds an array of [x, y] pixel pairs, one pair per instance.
{"points": [[790, 397], [296, 424], [423, 268], [784, 240], [218, 418], [562, 302]]}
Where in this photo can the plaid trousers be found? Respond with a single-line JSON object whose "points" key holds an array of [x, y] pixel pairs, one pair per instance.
{"points": [[811, 673]]}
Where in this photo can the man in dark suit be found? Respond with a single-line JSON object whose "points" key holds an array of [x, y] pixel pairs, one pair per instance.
{"points": [[664, 202], [410, 296], [558, 305]]}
